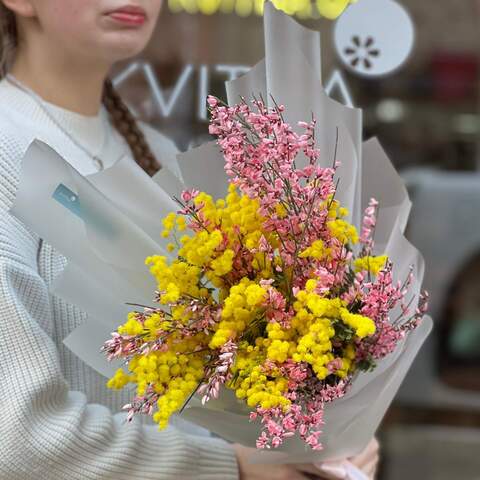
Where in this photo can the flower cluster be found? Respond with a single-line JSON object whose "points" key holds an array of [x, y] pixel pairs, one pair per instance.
{"points": [[270, 292]]}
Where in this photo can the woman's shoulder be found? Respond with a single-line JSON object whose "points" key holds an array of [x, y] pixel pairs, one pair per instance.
{"points": [[14, 142], [15, 135]]}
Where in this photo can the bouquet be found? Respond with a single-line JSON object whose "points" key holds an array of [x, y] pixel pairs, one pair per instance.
{"points": [[273, 295], [287, 301]]}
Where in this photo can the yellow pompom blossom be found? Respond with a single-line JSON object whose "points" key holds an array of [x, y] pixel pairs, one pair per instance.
{"points": [[343, 231], [178, 278], [253, 385], [281, 343], [370, 264], [315, 330], [236, 214], [347, 362], [317, 251], [310, 304], [240, 308], [153, 324], [169, 224], [280, 210], [132, 326], [335, 209], [210, 250], [222, 264], [314, 320], [119, 380], [175, 374], [179, 376], [363, 326]]}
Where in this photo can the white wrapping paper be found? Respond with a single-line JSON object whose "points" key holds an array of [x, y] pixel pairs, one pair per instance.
{"points": [[115, 223]]}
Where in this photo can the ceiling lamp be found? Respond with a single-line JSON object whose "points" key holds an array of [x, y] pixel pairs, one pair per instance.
{"points": [[330, 9]]}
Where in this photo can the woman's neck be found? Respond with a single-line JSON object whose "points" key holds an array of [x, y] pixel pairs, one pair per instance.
{"points": [[77, 88]]}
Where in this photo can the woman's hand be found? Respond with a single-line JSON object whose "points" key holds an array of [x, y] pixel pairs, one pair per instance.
{"points": [[362, 467], [367, 461], [250, 471]]}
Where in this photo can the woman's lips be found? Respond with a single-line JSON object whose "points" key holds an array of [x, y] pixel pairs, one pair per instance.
{"points": [[129, 16]]}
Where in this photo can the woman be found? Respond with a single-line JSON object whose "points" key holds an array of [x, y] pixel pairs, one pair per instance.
{"points": [[57, 414]]}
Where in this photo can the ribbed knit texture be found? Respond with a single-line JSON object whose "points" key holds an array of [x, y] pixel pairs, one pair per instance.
{"points": [[59, 421]]}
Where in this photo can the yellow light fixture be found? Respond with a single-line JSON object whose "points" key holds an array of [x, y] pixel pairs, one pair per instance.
{"points": [[330, 9]]}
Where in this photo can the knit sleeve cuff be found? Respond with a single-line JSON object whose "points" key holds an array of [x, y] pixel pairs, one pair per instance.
{"points": [[193, 457], [216, 459]]}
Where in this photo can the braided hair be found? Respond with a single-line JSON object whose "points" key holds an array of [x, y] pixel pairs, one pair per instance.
{"points": [[120, 116], [125, 123]]}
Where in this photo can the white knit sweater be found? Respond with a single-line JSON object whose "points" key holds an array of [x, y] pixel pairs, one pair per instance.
{"points": [[58, 420]]}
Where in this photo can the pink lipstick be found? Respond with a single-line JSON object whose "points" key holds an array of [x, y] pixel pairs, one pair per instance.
{"points": [[129, 15]]}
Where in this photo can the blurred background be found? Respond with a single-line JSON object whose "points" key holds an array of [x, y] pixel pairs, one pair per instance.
{"points": [[426, 113]]}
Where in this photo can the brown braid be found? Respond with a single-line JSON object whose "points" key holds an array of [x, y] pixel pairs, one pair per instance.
{"points": [[127, 126]]}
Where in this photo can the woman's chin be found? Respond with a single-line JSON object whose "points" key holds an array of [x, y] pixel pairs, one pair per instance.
{"points": [[122, 50], [121, 43]]}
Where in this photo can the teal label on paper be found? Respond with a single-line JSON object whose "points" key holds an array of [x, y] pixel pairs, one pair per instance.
{"points": [[68, 199]]}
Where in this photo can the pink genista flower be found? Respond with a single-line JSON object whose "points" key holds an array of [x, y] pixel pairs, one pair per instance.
{"points": [[313, 441], [212, 101], [203, 317], [218, 373], [264, 246], [382, 296], [329, 393], [423, 304], [335, 365], [297, 373], [189, 195], [325, 279], [368, 225], [142, 405], [125, 346], [305, 414], [355, 291], [379, 299], [260, 151], [276, 307], [263, 441]]}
